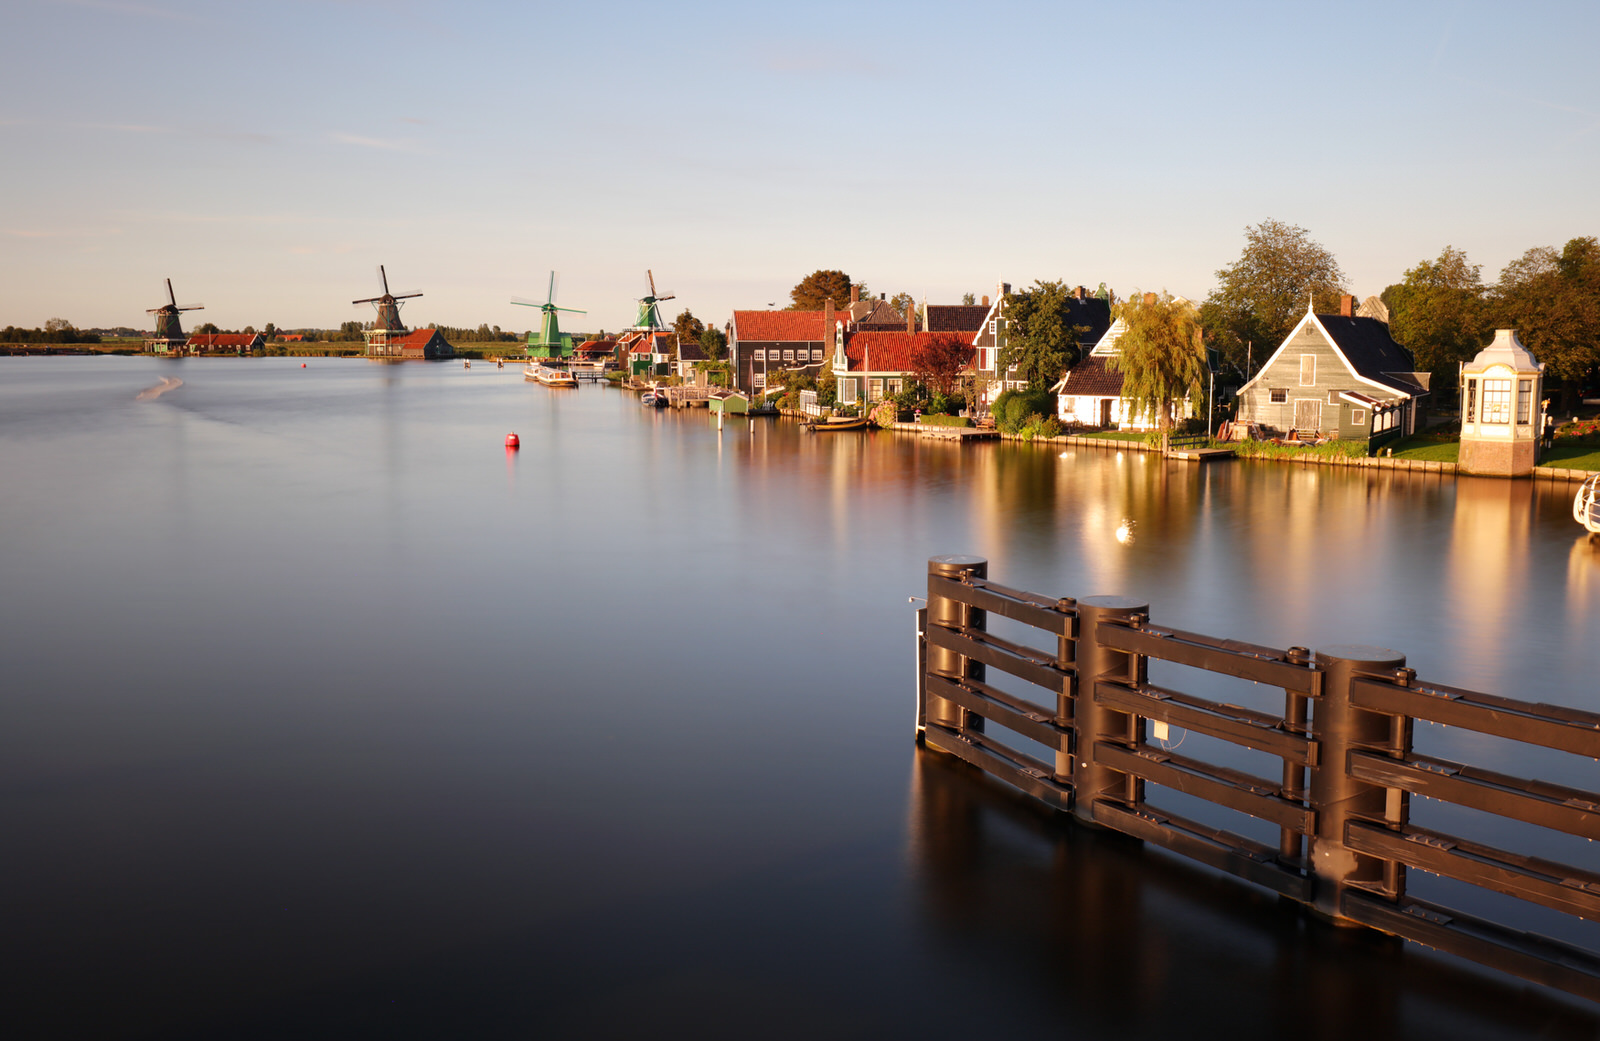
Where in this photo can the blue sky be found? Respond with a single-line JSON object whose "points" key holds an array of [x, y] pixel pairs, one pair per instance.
{"points": [[267, 156]]}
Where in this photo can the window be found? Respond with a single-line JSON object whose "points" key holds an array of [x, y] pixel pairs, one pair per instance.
{"points": [[1472, 401], [1333, 397], [816, 354], [847, 392], [894, 386], [788, 356], [1524, 402], [758, 355], [1358, 416], [875, 390], [1497, 401], [1278, 396], [1308, 370], [992, 323], [759, 380]]}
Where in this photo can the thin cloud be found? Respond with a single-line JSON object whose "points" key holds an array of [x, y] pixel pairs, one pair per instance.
{"points": [[375, 142]]}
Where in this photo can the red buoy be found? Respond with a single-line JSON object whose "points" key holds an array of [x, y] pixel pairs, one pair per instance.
{"points": [[302, 365], [512, 442]]}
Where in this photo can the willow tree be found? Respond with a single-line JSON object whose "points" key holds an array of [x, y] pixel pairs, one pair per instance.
{"points": [[1160, 355]]}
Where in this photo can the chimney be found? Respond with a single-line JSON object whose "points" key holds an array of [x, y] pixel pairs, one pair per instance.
{"points": [[855, 293], [986, 300], [883, 296], [1077, 294], [1149, 300], [911, 319], [1347, 306]]}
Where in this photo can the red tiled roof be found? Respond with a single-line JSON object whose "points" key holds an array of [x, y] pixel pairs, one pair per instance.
{"points": [[222, 339], [780, 326], [415, 338], [597, 346], [891, 352]]}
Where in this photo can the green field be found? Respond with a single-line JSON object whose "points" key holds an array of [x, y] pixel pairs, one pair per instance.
{"points": [[1572, 457]]}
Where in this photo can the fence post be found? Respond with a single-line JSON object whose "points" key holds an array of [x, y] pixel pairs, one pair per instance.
{"points": [[941, 662], [1339, 728], [1094, 722]]}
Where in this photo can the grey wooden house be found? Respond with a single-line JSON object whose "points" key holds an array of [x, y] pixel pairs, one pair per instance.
{"points": [[1337, 376]]}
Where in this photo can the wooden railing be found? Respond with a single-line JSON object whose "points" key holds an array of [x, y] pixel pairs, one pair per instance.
{"points": [[1341, 804]]}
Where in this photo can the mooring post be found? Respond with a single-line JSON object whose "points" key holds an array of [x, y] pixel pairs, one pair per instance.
{"points": [[1095, 722], [956, 615], [1339, 729]]}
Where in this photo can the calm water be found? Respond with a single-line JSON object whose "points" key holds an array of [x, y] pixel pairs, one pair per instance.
{"points": [[325, 716]]}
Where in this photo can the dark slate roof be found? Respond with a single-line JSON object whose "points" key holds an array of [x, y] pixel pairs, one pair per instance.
{"points": [[956, 318], [1094, 313], [1092, 377], [882, 315], [1366, 344]]}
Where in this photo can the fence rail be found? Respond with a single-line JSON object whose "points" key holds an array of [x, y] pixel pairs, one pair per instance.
{"points": [[1341, 803]]}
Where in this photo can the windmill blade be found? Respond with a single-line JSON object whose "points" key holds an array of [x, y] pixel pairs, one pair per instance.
{"points": [[651, 275], [550, 294], [525, 303], [368, 300], [403, 296], [192, 307], [570, 310], [669, 296], [384, 278], [170, 298]]}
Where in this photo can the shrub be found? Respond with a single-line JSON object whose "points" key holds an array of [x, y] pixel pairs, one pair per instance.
{"points": [[1014, 408], [929, 419]]}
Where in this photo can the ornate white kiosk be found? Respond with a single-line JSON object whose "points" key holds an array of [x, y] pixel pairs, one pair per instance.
{"points": [[1502, 414]]}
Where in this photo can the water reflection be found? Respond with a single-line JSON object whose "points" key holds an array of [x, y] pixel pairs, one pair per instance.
{"points": [[1127, 942]]}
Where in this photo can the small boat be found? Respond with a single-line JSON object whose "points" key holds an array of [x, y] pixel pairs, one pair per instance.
{"points": [[1586, 505], [653, 399], [548, 376], [835, 423]]}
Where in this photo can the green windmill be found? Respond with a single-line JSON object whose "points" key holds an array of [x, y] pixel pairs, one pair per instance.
{"points": [[649, 314], [550, 342]]}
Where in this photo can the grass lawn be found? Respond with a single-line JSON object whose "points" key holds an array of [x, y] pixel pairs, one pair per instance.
{"points": [[1572, 457], [1421, 446], [1117, 435]]}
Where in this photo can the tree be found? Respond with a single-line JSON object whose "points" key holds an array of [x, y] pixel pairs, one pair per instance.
{"points": [[1261, 296], [1440, 315], [207, 329], [967, 299], [714, 342], [687, 327], [1161, 355], [1552, 300], [938, 362], [269, 331], [1040, 340], [58, 325], [906, 304], [819, 286]]}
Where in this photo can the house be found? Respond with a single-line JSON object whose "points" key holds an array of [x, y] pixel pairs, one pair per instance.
{"points": [[647, 352], [760, 342], [1340, 376], [967, 319], [224, 343], [1092, 312], [415, 345], [597, 352], [1090, 394], [876, 365]]}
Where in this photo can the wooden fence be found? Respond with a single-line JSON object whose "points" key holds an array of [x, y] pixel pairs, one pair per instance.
{"points": [[1341, 804]]}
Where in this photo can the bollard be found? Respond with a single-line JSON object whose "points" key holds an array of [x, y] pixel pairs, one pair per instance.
{"points": [[942, 662], [1340, 728], [1094, 722]]}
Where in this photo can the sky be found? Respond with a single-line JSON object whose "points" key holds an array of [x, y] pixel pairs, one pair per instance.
{"points": [[268, 156]]}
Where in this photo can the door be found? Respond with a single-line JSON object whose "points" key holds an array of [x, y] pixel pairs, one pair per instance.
{"points": [[1308, 414], [1105, 412]]}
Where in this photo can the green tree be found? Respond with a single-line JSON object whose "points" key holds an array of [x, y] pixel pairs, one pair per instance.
{"points": [[1552, 300], [1440, 315], [269, 331], [906, 304], [967, 299], [1040, 340], [714, 342], [1161, 356], [818, 286], [688, 327], [207, 329], [58, 325], [1261, 296]]}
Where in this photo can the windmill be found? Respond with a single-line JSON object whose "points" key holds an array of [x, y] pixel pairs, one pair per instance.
{"points": [[167, 326], [649, 314], [388, 305], [551, 342]]}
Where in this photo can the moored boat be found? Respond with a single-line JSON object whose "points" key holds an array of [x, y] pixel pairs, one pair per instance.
{"points": [[548, 376], [1586, 505], [653, 398], [835, 423]]}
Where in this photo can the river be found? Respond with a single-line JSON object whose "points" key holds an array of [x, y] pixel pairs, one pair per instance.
{"points": [[326, 715]]}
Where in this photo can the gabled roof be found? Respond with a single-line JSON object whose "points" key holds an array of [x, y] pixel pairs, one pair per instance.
{"points": [[879, 313], [1367, 349], [779, 326], [597, 347], [416, 337], [956, 318], [891, 352], [690, 350], [1092, 377]]}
